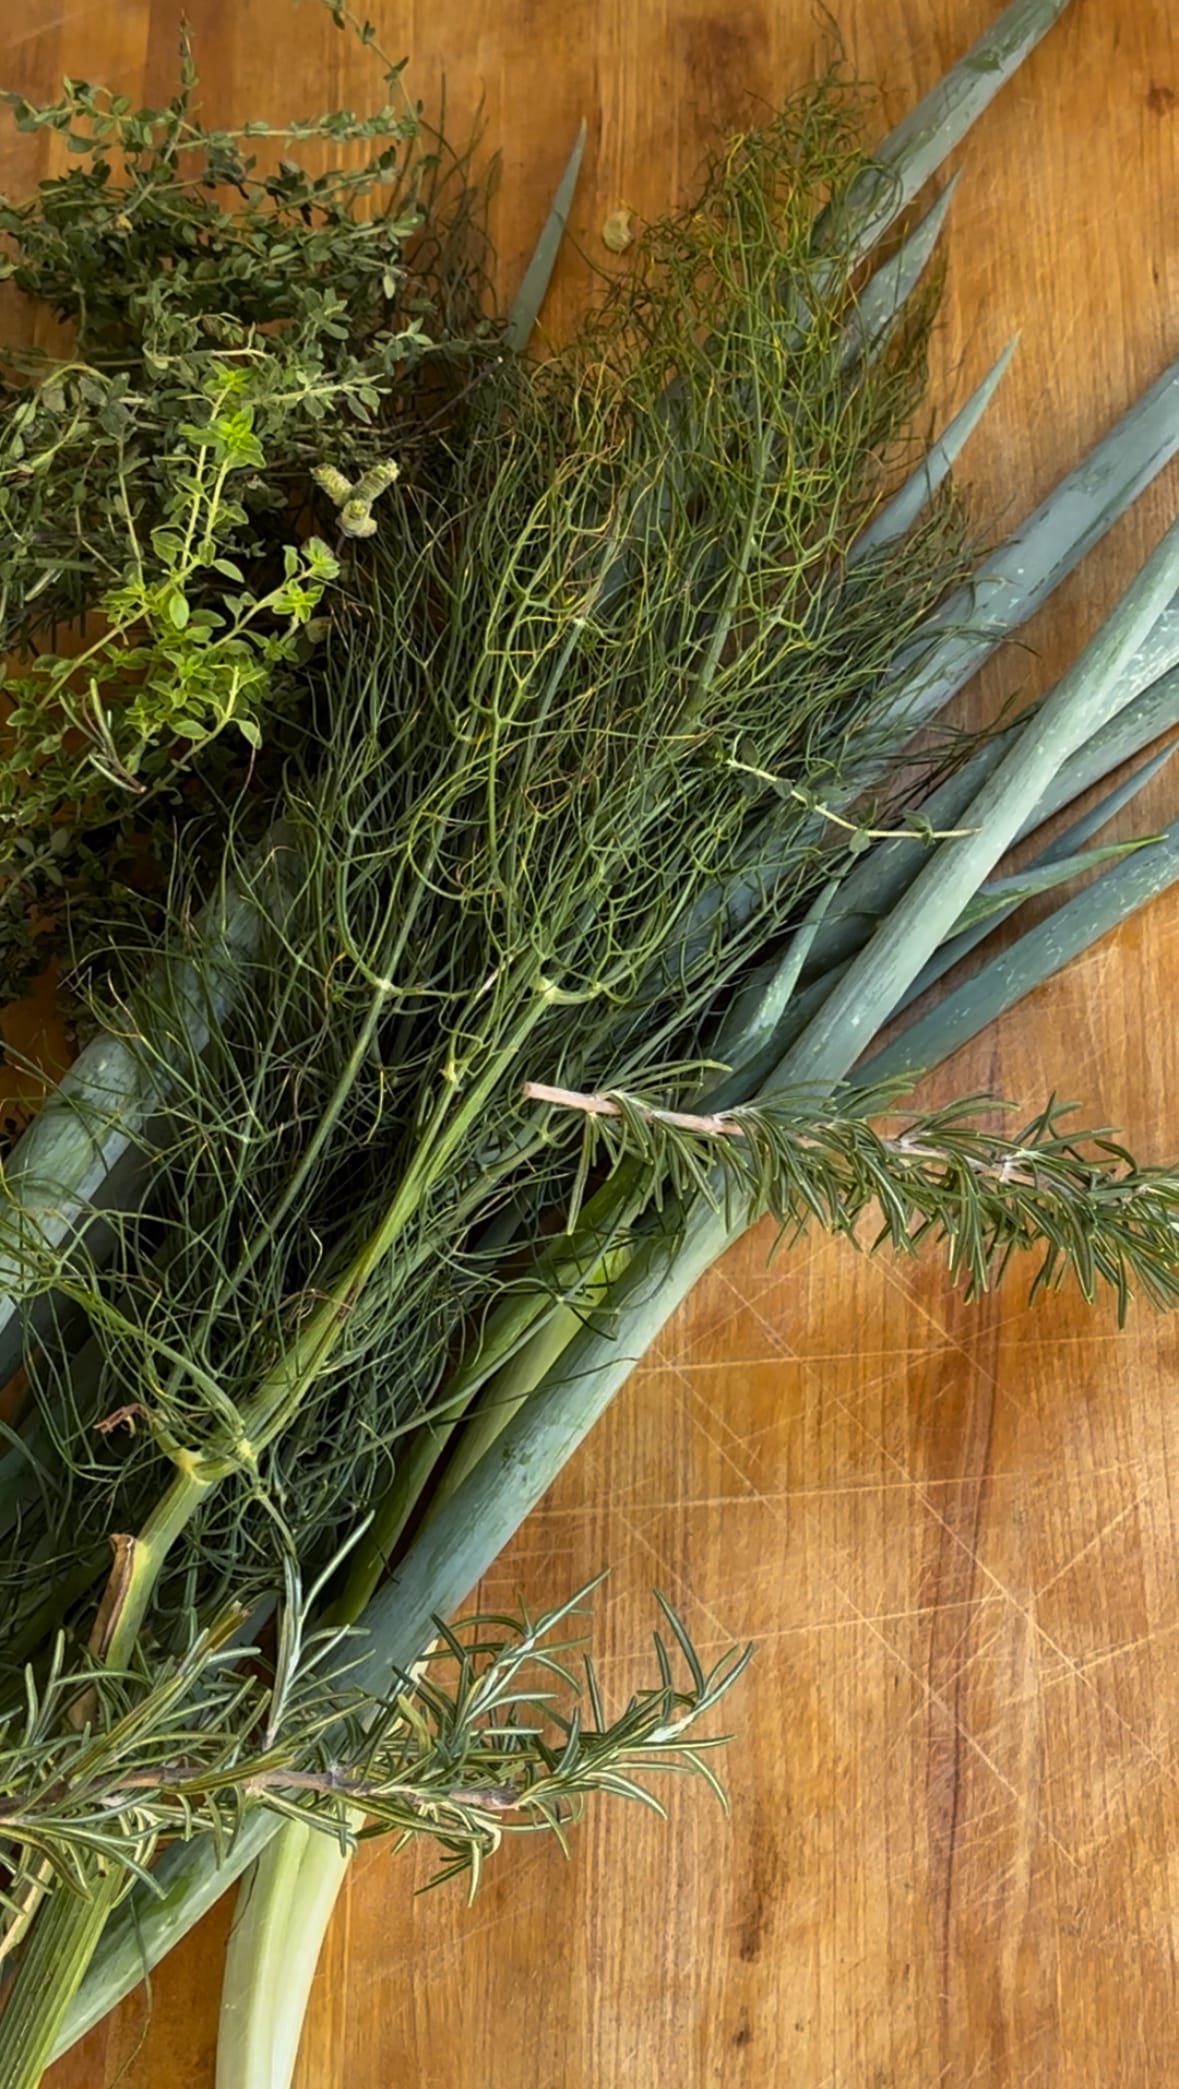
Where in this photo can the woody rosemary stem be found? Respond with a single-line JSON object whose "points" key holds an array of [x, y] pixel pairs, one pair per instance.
{"points": [[52, 1966]]}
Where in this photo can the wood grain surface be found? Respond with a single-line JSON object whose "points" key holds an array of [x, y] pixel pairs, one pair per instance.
{"points": [[953, 1855]]}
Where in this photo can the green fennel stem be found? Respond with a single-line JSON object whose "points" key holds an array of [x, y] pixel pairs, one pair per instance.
{"points": [[261, 1936], [449, 1555], [510, 1333], [278, 1929], [52, 1967], [286, 1383], [506, 1393], [149, 1551], [400, 921]]}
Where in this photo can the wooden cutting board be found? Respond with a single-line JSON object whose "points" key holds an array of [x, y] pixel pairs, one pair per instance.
{"points": [[953, 1855]]}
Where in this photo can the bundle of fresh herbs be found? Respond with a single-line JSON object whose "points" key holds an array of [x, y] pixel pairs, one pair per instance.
{"points": [[621, 821], [245, 347]]}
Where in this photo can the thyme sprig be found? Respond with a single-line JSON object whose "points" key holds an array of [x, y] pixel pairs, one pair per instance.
{"points": [[234, 327]]}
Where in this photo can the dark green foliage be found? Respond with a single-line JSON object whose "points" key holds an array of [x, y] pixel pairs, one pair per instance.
{"points": [[236, 327]]}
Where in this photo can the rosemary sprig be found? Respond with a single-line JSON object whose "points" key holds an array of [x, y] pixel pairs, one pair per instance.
{"points": [[470, 1748], [1078, 1197]]}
